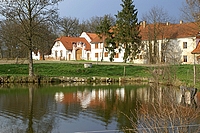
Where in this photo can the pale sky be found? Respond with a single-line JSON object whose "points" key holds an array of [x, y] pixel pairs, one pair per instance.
{"points": [[85, 9]]}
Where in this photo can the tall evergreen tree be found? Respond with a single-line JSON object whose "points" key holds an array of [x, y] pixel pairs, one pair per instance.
{"points": [[104, 32], [127, 30]]}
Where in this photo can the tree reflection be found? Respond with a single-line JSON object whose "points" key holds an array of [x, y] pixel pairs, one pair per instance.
{"points": [[30, 115], [165, 113], [52, 108]]}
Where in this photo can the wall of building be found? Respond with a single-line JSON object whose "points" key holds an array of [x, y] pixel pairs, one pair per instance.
{"points": [[191, 45], [174, 53], [36, 56]]}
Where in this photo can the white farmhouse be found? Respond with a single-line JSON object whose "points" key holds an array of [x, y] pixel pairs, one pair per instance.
{"points": [[174, 43], [97, 46], [70, 48], [97, 50]]}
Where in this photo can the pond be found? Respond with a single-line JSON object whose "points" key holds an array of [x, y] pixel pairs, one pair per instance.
{"points": [[72, 108]]}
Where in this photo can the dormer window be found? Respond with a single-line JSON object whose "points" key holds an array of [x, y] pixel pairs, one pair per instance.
{"points": [[74, 44], [80, 43]]}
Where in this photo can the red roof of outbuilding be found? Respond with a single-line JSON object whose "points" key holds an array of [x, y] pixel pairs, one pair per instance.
{"points": [[197, 49]]}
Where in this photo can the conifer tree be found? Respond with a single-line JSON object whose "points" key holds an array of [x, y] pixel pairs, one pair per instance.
{"points": [[127, 30], [104, 32]]}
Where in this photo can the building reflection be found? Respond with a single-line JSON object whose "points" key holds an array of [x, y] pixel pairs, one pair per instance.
{"points": [[91, 97], [94, 97], [39, 109]]}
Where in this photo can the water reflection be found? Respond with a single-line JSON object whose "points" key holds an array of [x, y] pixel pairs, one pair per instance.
{"points": [[73, 108], [59, 96], [88, 98]]}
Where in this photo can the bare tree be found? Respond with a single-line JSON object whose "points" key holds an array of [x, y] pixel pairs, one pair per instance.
{"points": [[69, 26], [156, 17], [191, 11], [11, 45], [165, 114], [45, 39], [172, 53], [91, 24], [29, 15]]}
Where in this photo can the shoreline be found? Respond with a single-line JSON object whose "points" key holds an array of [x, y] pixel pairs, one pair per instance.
{"points": [[63, 79]]}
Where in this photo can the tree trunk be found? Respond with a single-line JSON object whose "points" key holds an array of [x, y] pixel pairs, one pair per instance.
{"points": [[155, 52], [31, 74], [30, 113], [150, 53], [102, 54], [1, 53], [102, 49]]}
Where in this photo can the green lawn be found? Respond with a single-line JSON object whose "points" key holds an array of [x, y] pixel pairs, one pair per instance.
{"points": [[78, 70], [182, 72]]}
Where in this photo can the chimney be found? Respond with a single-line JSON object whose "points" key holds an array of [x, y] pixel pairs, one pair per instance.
{"points": [[143, 24], [181, 21]]}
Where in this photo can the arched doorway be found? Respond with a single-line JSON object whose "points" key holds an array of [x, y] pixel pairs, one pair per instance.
{"points": [[78, 54]]}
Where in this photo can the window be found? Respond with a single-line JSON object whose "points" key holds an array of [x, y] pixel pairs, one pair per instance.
{"points": [[185, 58], [138, 57], [184, 44], [117, 55], [106, 54], [96, 45], [96, 55]]}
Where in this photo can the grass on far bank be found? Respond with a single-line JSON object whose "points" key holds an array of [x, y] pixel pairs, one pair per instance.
{"points": [[182, 72], [74, 70]]}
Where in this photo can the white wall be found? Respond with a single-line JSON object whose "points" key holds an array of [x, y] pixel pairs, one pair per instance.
{"points": [[84, 34], [66, 54], [58, 46], [177, 44], [191, 45], [36, 56], [175, 49]]}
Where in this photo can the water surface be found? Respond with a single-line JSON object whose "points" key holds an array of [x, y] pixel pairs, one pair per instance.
{"points": [[70, 108]]}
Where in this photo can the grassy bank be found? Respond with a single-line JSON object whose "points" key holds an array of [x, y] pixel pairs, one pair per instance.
{"points": [[78, 70], [182, 72]]}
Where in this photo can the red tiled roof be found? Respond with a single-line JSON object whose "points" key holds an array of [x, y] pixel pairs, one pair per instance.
{"points": [[68, 41], [97, 39], [170, 31], [94, 38], [92, 35], [197, 49]]}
